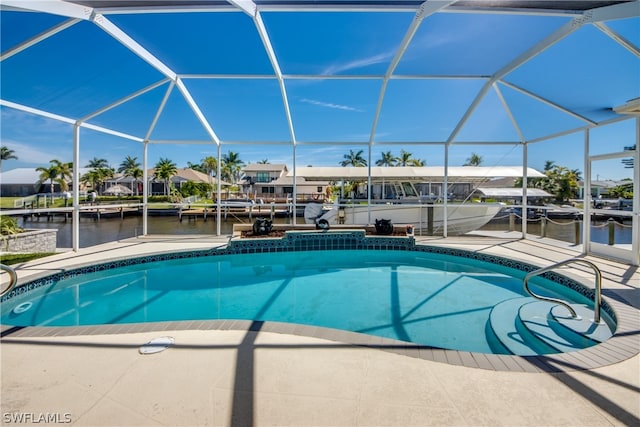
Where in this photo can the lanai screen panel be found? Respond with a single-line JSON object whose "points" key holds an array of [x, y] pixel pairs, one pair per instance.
{"points": [[242, 109], [74, 72], [205, 43], [330, 72]]}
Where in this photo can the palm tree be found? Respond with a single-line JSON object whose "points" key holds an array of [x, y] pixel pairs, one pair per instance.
{"points": [[128, 163], [354, 159], [232, 165], [406, 159], [65, 172], [548, 165], [263, 162], [96, 177], [473, 160], [6, 154], [96, 163], [387, 159], [210, 166], [50, 174], [136, 174], [164, 170], [58, 172], [100, 171], [93, 178], [131, 167], [577, 174], [196, 167], [558, 180]]}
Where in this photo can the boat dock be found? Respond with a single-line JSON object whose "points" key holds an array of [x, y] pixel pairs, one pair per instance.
{"points": [[96, 212], [234, 210], [110, 212], [195, 213], [49, 215]]}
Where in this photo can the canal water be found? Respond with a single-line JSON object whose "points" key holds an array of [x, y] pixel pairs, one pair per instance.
{"points": [[94, 232]]}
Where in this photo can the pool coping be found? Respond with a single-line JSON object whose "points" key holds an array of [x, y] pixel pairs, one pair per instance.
{"points": [[624, 344], [618, 348]]}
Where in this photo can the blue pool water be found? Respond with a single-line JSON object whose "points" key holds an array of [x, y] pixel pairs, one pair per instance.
{"points": [[425, 298]]}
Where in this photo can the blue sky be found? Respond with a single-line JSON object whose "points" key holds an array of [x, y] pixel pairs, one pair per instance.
{"points": [[82, 69]]}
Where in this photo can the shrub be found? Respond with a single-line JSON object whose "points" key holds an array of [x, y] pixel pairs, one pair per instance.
{"points": [[191, 188], [9, 226]]}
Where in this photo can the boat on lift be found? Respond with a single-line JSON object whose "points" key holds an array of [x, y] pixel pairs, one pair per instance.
{"points": [[401, 194]]}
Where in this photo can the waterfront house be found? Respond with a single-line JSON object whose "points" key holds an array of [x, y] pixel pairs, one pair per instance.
{"points": [[271, 181], [22, 182], [156, 185]]}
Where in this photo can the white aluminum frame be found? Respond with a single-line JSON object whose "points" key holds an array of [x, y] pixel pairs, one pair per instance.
{"points": [[76, 13]]}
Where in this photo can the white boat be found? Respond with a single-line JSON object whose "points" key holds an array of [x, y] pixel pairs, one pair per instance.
{"points": [[394, 197], [427, 218]]}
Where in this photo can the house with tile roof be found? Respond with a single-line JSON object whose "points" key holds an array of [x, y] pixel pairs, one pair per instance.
{"points": [[156, 185], [271, 181]]}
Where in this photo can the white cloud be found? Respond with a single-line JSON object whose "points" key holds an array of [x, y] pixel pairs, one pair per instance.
{"points": [[19, 122], [364, 137], [359, 63], [331, 105], [35, 140], [30, 155]]}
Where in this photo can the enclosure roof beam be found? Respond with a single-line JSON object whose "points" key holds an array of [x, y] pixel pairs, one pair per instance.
{"points": [[526, 56], [38, 38], [54, 7], [426, 9], [251, 9]]}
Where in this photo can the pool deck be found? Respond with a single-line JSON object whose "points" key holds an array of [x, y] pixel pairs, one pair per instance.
{"points": [[244, 373]]}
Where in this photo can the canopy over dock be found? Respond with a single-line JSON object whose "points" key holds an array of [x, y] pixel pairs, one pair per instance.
{"points": [[426, 173]]}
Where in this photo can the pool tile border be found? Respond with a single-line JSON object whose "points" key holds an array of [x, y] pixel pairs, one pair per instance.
{"points": [[623, 345]]}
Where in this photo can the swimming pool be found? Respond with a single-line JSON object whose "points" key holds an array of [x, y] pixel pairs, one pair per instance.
{"points": [[430, 299]]}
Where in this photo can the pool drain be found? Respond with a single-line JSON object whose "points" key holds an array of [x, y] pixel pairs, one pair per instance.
{"points": [[156, 345]]}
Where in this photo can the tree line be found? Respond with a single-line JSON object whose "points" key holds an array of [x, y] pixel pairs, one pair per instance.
{"points": [[559, 181], [164, 170], [405, 158], [100, 171]]}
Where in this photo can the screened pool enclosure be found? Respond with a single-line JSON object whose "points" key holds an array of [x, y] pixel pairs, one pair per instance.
{"points": [[298, 82]]}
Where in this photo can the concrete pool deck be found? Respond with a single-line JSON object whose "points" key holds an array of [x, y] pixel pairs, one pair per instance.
{"points": [[239, 373]]}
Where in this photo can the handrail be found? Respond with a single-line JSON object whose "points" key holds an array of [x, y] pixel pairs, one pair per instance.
{"points": [[598, 293], [13, 278]]}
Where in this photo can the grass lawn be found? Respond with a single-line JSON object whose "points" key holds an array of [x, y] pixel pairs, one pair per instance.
{"points": [[7, 202], [9, 259]]}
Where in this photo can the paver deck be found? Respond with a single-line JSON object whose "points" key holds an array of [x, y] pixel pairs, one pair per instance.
{"points": [[243, 373]]}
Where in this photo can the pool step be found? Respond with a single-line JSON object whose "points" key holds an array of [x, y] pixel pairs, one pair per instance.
{"points": [[505, 324], [528, 327], [553, 324]]}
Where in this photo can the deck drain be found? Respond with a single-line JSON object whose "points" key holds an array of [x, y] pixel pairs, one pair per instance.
{"points": [[156, 345]]}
